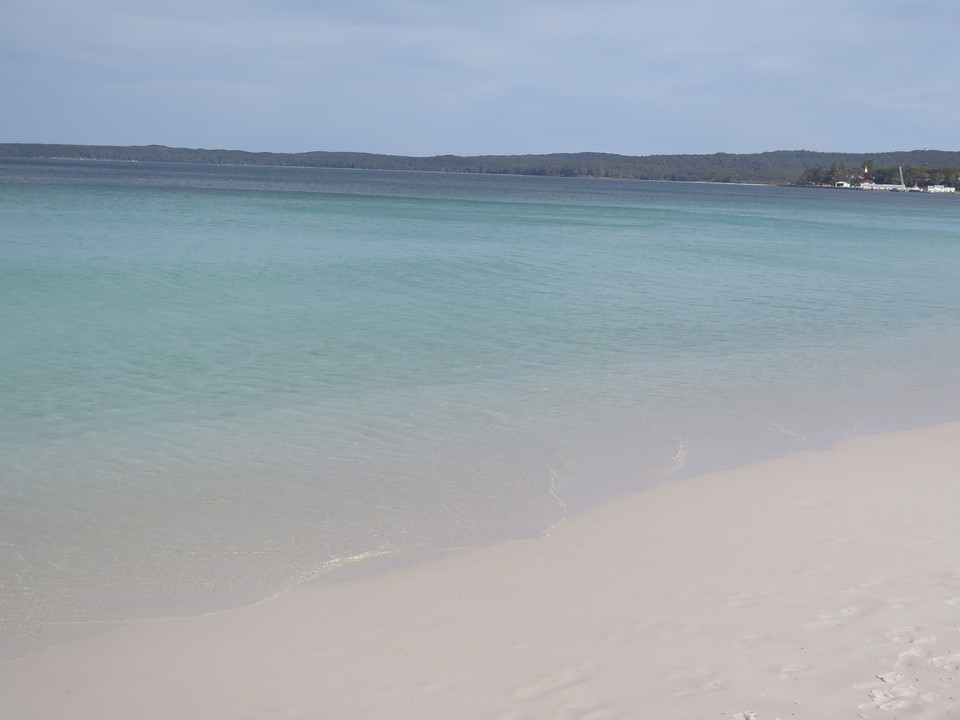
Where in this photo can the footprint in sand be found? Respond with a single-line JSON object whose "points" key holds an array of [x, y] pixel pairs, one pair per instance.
{"points": [[790, 672], [741, 599], [908, 635], [908, 658], [697, 680], [946, 662], [631, 632], [748, 641], [898, 697], [586, 711], [891, 677], [563, 695], [553, 683], [833, 619], [651, 629]]}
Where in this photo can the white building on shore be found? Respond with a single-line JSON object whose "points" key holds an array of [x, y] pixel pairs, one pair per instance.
{"points": [[871, 185]]}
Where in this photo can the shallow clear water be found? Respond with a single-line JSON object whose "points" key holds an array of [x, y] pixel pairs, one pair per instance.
{"points": [[218, 381]]}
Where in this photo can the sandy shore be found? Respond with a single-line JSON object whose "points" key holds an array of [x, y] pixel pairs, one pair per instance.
{"points": [[821, 585]]}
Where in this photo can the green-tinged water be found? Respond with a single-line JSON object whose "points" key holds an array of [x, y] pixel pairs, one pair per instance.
{"points": [[220, 381]]}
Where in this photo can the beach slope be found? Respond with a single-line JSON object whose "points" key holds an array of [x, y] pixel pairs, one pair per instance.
{"points": [[824, 584]]}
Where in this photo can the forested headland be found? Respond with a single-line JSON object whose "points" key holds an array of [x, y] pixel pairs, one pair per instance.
{"points": [[781, 167]]}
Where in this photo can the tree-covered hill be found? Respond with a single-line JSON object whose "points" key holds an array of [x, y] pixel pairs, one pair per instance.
{"points": [[778, 167]]}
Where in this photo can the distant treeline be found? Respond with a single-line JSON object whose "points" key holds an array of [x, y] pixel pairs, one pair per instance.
{"points": [[913, 175], [784, 167]]}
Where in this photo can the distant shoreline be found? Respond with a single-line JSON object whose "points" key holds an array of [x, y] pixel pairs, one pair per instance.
{"points": [[781, 167], [388, 170]]}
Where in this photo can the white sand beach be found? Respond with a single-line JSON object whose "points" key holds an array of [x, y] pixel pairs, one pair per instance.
{"points": [[821, 585]]}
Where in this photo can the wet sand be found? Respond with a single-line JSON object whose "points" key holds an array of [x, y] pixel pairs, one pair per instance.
{"points": [[823, 584]]}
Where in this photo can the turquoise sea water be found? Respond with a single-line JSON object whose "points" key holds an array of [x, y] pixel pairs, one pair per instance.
{"points": [[221, 381]]}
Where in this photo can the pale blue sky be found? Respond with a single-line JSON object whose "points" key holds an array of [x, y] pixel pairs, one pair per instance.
{"points": [[427, 77]]}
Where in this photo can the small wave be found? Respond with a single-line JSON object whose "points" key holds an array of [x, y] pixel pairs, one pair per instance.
{"points": [[676, 461]]}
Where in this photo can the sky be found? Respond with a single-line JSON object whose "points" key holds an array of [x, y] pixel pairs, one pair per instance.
{"points": [[432, 77]]}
